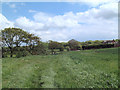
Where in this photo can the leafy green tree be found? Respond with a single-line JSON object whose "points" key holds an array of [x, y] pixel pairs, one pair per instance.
{"points": [[39, 49], [32, 41], [68, 48], [13, 37], [15, 40], [89, 42], [52, 45], [73, 44], [55, 45], [60, 47], [97, 42]]}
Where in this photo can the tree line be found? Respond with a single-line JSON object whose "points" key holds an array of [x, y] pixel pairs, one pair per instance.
{"points": [[19, 43]]}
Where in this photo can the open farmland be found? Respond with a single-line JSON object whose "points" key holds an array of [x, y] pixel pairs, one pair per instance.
{"points": [[74, 69]]}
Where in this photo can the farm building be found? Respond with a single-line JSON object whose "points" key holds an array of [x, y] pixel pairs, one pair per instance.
{"points": [[116, 44], [109, 42]]}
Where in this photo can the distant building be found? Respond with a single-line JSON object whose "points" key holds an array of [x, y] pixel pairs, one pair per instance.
{"points": [[111, 42]]}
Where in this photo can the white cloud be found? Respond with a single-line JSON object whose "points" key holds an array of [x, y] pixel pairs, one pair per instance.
{"points": [[95, 23], [100, 23], [4, 23], [41, 17], [105, 11], [93, 3], [26, 24]]}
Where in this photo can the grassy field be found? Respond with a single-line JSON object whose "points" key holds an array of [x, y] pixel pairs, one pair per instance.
{"points": [[74, 69]]}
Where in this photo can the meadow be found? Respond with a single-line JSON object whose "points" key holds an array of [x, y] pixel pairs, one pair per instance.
{"points": [[97, 68]]}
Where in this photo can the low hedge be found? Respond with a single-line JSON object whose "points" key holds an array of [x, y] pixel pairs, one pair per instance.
{"points": [[98, 46]]}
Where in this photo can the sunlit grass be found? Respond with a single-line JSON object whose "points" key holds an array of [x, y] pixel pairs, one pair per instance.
{"points": [[74, 69]]}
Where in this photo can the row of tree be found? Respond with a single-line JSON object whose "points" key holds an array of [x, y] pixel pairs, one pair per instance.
{"points": [[19, 43], [98, 46]]}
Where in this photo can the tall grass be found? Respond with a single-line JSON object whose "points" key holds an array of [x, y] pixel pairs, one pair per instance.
{"points": [[74, 69]]}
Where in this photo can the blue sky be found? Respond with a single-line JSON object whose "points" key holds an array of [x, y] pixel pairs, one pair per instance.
{"points": [[53, 8], [62, 21]]}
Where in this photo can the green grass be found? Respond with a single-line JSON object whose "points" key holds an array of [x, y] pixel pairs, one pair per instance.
{"points": [[74, 69]]}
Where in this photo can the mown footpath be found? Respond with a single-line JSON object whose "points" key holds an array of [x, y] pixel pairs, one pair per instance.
{"points": [[75, 69]]}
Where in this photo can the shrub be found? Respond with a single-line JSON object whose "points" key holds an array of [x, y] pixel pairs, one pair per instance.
{"points": [[98, 46], [68, 48], [5, 52], [61, 48], [22, 54]]}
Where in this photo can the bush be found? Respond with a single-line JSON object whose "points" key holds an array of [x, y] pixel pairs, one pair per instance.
{"points": [[61, 48], [68, 48], [19, 54], [26, 53], [98, 46], [5, 52], [22, 54]]}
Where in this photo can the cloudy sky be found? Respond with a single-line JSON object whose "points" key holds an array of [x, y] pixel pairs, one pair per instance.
{"points": [[62, 21]]}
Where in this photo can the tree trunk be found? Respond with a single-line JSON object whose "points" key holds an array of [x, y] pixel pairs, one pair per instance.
{"points": [[11, 52], [52, 51]]}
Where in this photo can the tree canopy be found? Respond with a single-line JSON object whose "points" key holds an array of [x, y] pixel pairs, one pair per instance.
{"points": [[73, 44], [16, 39]]}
